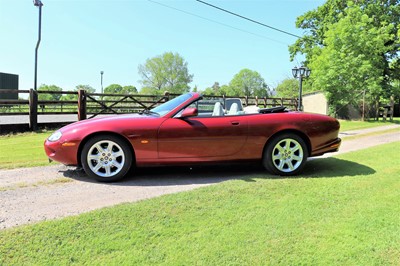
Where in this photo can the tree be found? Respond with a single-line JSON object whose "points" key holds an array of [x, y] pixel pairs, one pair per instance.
{"points": [[351, 47], [209, 92], [129, 89], [248, 83], [87, 88], [351, 62], [288, 88], [74, 97], [118, 89], [213, 90], [113, 89], [227, 91], [167, 72], [49, 97]]}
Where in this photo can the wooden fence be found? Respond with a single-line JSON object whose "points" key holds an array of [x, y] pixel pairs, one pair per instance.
{"points": [[87, 105]]}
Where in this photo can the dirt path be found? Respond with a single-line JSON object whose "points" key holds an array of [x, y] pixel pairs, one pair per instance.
{"points": [[34, 194]]}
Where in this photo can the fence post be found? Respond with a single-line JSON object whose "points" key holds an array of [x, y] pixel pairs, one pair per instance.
{"points": [[166, 95], [81, 105], [33, 105]]}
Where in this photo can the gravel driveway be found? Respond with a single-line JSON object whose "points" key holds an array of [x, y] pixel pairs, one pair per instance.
{"points": [[29, 195]]}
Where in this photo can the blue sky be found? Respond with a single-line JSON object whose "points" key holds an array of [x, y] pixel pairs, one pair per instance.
{"points": [[80, 38]]}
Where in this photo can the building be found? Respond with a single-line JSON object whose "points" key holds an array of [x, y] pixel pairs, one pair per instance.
{"points": [[9, 82], [315, 102]]}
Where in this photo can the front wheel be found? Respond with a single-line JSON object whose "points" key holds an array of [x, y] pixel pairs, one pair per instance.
{"points": [[285, 155], [106, 158]]}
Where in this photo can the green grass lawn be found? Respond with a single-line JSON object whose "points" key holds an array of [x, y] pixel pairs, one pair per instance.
{"points": [[23, 150], [341, 211], [346, 125]]}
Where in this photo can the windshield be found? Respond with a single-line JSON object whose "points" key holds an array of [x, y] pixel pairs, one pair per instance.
{"points": [[172, 104]]}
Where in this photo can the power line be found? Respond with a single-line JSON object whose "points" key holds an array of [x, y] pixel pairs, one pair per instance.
{"points": [[214, 21], [249, 19]]}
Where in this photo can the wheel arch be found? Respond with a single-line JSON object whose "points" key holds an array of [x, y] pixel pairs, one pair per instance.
{"points": [[99, 133], [302, 135]]}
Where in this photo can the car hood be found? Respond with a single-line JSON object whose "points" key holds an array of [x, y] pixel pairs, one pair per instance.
{"points": [[107, 121]]}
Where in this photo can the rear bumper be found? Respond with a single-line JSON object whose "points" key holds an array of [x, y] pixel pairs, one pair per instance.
{"points": [[329, 147]]}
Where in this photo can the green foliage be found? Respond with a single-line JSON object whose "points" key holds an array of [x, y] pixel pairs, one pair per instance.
{"points": [[351, 47], [49, 97], [215, 89], [151, 91], [118, 89], [341, 211], [289, 88], [247, 83], [167, 72], [209, 91], [352, 59], [87, 88], [113, 89], [129, 89], [74, 97]]}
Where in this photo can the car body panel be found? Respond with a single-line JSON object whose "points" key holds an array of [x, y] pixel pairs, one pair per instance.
{"points": [[201, 137]]}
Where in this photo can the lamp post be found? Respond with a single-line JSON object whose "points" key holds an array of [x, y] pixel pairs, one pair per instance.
{"points": [[300, 73], [39, 4], [101, 81]]}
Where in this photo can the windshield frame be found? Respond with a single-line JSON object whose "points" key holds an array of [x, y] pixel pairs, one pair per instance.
{"points": [[169, 108]]}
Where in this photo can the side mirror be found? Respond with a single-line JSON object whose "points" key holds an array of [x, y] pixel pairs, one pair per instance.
{"points": [[189, 112]]}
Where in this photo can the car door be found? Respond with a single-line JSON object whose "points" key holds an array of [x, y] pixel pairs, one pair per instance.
{"points": [[198, 137]]}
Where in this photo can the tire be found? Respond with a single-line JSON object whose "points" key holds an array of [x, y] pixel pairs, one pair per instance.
{"points": [[106, 158], [285, 155]]}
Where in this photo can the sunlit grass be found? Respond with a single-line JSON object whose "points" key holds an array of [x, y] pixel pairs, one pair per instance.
{"points": [[23, 150], [346, 125], [341, 211]]}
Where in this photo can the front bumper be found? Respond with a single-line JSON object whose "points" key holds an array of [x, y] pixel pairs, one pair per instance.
{"points": [[63, 152]]}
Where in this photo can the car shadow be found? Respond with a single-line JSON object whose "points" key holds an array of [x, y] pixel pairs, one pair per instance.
{"points": [[333, 167], [177, 175], [211, 174]]}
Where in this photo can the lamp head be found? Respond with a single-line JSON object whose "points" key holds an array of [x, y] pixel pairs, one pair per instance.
{"points": [[308, 72], [302, 71], [37, 3], [295, 72]]}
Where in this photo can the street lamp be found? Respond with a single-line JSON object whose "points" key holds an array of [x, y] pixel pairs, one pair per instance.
{"points": [[101, 81], [300, 73], [39, 4]]}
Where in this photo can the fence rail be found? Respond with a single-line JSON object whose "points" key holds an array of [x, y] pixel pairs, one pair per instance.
{"points": [[87, 105]]}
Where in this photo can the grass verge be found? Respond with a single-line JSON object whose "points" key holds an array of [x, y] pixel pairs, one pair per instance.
{"points": [[341, 211], [59, 180], [346, 125], [23, 150], [370, 134]]}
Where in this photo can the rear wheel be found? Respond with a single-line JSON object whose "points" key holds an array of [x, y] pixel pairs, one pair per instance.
{"points": [[285, 155], [106, 158]]}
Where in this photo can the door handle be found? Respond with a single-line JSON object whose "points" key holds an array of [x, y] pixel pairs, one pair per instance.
{"points": [[235, 123]]}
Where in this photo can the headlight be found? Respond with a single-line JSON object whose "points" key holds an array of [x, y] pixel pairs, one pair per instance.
{"points": [[55, 136]]}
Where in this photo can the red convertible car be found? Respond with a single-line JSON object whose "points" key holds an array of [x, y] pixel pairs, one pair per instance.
{"points": [[189, 129]]}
